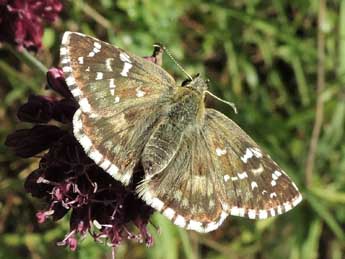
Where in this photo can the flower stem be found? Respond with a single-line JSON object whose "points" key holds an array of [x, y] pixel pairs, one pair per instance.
{"points": [[29, 59], [34, 61]]}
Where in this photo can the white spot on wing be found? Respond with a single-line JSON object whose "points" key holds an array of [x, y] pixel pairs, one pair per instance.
{"points": [[65, 38], [127, 64], [236, 211], [263, 214], [287, 206], [169, 213], [140, 93], [117, 99], [254, 185], [97, 45], [273, 183], [81, 60], [76, 92], [157, 204], [195, 225], [247, 155], [70, 81], [276, 174], [84, 105], [105, 164], [63, 51], [85, 142], [99, 76], [251, 214], [226, 178], [108, 64], [273, 195], [180, 221], [297, 200], [258, 171], [273, 212], [96, 156], [112, 83], [215, 224], [65, 61], [257, 152], [113, 170], [220, 152], [91, 54], [250, 152], [67, 69], [77, 124], [126, 68], [124, 57], [242, 175]]}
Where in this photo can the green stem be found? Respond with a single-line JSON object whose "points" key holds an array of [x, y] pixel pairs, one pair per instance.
{"points": [[29, 59]]}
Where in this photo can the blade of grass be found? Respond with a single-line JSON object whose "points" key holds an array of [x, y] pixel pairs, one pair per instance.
{"points": [[325, 214]]}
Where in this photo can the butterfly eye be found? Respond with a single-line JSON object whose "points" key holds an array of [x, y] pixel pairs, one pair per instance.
{"points": [[186, 82]]}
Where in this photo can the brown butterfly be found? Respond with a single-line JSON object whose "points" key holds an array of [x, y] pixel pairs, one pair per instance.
{"points": [[199, 166]]}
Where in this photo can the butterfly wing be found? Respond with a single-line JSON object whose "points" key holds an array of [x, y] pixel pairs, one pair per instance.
{"points": [[255, 186], [102, 76], [219, 170], [120, 97], [187, 191]]}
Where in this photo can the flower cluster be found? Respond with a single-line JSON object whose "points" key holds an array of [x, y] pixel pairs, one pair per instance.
{"points": [[21, 21], [69, 180]]}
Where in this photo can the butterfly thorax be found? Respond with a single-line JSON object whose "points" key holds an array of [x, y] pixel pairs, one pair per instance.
{"points": [[184, 113]]}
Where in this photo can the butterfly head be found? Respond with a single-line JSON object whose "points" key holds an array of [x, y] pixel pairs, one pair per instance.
{"points": [[197, 83]]}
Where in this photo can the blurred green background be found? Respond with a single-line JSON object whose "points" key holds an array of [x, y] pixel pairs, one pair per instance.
{"points": [[270, 58]]}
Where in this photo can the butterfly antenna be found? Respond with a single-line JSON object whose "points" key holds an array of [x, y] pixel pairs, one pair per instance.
{"points": [[173, 59], [232, 105]]}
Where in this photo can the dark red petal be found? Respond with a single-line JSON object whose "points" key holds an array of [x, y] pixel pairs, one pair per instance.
{"points": [[21, 21], [56, 81], [38, 109], [80, 219], [72, 243], [29, 142], [37, 189], [64, 110], [41, 216], [59, 211]]}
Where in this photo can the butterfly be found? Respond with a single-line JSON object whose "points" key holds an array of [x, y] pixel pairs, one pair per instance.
{"points": [[199, 166]]}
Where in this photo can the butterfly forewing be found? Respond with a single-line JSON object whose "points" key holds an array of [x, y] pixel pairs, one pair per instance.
{"points": [[101, 76], [117, 92], [115, 142], [256, 187]]}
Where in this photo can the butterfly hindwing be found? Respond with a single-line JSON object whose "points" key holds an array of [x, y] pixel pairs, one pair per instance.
{"points": [[218, 170], [256, 187], [187, 191]]}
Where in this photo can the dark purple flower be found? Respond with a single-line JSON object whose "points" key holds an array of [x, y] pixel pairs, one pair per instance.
{"points": [[21, 21], [69, 180]]}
